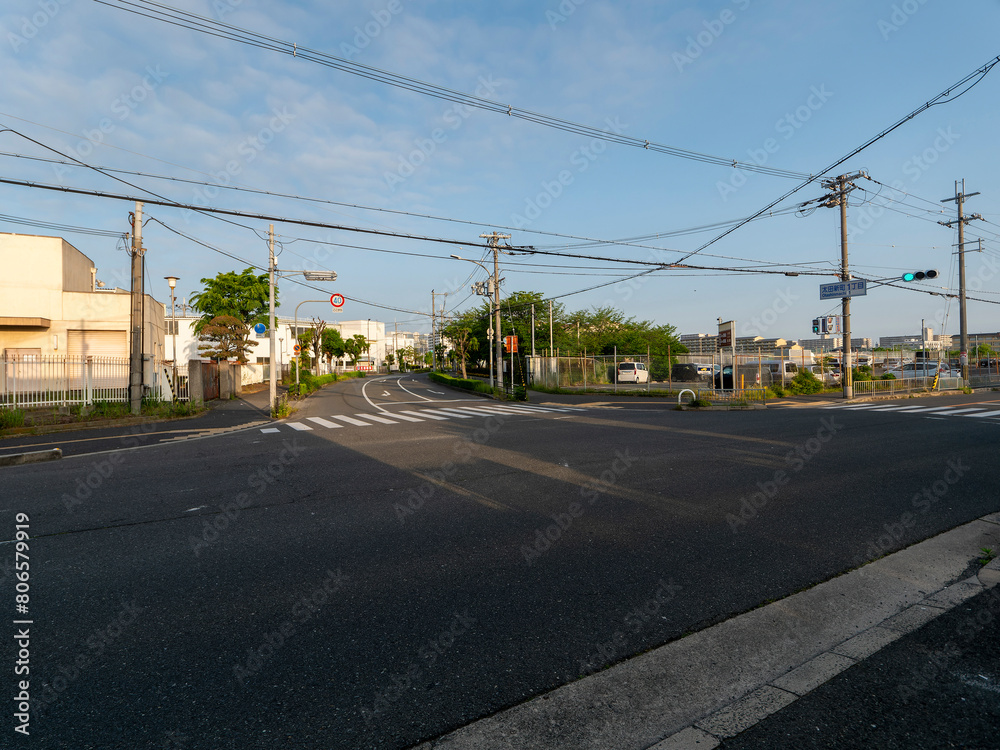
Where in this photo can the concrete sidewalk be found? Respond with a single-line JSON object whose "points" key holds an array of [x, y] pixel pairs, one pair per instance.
{"points": [[699, 691]]}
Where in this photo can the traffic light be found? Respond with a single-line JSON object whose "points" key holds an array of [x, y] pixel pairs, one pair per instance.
{"points": [[815, 325], [920, 275]]}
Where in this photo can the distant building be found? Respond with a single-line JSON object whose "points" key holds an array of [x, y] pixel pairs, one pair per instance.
{"points": [[929, 340]]}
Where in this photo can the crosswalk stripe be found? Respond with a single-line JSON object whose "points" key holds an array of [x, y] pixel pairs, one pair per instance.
{"points": [[989, 413], [454, 413], [424, 414], [479, 411], [352, 420], [269, 429], [324, 422], [401, 415], [377, 418], [299, 426], [959, 411]]}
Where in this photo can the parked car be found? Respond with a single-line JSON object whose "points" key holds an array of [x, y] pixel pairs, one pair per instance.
{"points": [[632, 372], [686, 372], [913, 370], [705, 372], [988, 362], [828, 375], [724, 379]]}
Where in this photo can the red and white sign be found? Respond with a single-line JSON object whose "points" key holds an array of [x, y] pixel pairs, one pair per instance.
{"points": [[337, 300], [364, 367], [511, 343]]}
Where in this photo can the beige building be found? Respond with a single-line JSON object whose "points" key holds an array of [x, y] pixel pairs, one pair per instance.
{"points": [[51, 304]]}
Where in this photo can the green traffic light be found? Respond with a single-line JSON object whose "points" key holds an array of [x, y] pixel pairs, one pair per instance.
{"points": [[908, 277]]}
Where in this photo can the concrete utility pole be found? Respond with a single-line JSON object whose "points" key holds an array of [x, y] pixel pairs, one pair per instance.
{"points": [[841, 186], [137, 323], [433, 321], [273, 384], [494, 242], [962, 220]]}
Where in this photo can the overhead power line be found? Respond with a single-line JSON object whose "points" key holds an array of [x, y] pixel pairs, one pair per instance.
{"points": [[212, 27]]}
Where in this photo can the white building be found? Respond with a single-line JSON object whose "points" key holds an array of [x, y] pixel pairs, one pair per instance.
{"points": [[51, 303]]}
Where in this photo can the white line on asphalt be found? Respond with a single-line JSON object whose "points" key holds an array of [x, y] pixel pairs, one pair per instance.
{"points": [[454, 413], [351, 420], [269, 429], [424, 414], [990, 413], [400, 383], [961, 411], [375, 418], [324, 422], [299, 426], [401, 415]]}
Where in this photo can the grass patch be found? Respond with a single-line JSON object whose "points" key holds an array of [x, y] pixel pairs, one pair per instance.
{"points": [[467, 384], [11, 418]]}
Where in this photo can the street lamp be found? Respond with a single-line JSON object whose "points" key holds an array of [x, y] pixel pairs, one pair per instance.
{"points": [[172, 280], [496, 294]]}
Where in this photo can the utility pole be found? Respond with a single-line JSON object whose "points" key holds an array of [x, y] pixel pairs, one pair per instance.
{"points": [[433, 321], [962, 220], [273, 384], [840, 187], [494, 242], [532, 330], [551, 342], [137, 323]]}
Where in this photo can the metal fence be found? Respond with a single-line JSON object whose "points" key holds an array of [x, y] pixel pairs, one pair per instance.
{"points": [[908, 385], [39, 381]]}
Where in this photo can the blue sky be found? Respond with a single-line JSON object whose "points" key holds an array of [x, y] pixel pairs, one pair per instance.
{"points": [[790, 85]]}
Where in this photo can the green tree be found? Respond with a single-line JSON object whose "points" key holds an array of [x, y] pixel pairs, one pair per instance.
{"points": [[463, 342], [243, 296], [225, 337], [355, 346], [305, 340], [332, 344]]}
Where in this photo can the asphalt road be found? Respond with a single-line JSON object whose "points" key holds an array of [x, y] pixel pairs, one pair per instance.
{"points": [[378, 584]]}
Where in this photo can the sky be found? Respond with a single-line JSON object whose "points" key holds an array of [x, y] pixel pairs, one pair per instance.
{"points": [[790, 86]]}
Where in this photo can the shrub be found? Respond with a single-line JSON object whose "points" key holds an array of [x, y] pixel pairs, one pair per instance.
{"points": [[11, 418], [805, 382]]}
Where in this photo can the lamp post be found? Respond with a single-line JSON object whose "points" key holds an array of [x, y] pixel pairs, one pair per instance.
{"points": [[172, 280], [497, 294]]}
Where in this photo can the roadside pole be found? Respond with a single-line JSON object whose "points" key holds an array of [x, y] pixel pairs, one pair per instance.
{"points": [[272, 385]]}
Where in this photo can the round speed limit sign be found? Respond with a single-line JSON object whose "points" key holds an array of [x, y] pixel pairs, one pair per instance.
{"points": [[337, 300]]}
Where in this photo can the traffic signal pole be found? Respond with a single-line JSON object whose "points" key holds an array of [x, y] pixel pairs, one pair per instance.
{"points": [[960, 196]]}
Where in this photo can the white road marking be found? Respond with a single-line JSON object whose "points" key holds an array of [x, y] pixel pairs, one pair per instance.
{"points": [[453, 413], [269, 429], [401, 415], [352, 420], [323, 422], [424, 414], [375, 418], [990, 413], [299, 426], [440, 393]]}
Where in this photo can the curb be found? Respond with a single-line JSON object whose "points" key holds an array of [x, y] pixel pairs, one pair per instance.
{"points": [[713, 684], [34, 457]]}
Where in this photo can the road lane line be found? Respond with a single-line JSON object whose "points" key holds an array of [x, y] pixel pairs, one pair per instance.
{"points": [[269, 429], [401, 415], [324, 422], [454, 413], [299, 426], [424, 415], [351, 420], [376, 418]]}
